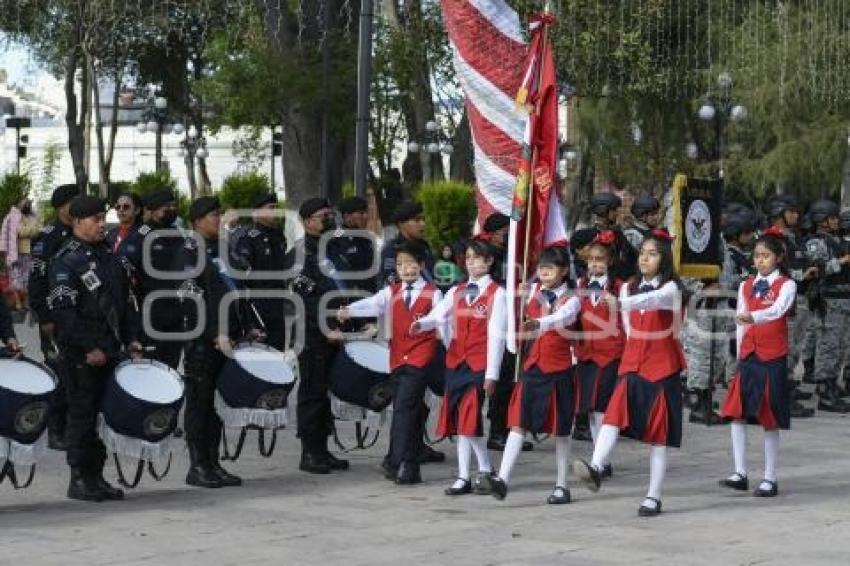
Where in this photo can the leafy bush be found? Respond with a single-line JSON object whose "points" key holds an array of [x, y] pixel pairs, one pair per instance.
{"points": [[147, 183], [449, 211], [239, 190], [13, 188]]}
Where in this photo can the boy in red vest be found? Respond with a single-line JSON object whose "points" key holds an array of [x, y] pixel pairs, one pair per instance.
{"points": [[647, 401], [476, 310], [601, 337], [542, 400], [405, 302], [758, 392]]}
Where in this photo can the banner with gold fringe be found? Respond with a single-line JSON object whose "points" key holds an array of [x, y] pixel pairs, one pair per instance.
{"points": [[697, 245]]}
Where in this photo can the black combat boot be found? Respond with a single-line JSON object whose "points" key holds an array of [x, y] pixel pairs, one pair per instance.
{"points": [[82, 487], [201, 474]]}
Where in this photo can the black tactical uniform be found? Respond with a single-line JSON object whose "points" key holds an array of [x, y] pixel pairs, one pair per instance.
{"points": [[203, 361], [89, 300], [44, 247]]}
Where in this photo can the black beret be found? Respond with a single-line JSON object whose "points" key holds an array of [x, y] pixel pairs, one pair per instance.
{"points": [[407, 210], [202, 206], [263, 199], [644, 203], [496, 221], [63, 195], [601, 203], [85, 206], [159, 198], [311, 206], [352, 204]]}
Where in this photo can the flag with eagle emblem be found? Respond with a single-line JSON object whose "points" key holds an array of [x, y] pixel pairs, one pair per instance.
{"points": [[697, 245]]}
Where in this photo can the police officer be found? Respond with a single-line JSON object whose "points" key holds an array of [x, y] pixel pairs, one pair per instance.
{"points": [[604, 207], [44, 247], [355, 252], [205, 356], [263, 250], [315, 421], [159, 236], [96, 326], [409, 218], [783, 212], [646, 210], [832, 291]]}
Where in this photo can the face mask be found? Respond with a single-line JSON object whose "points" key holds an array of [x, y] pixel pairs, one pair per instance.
{"points": [[168, 218], [328, 223], [27, 209]]}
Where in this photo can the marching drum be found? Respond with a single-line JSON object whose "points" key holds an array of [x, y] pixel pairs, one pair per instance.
{"points": [[25, 390], [139, 413], [253, 387], [361, 375]]}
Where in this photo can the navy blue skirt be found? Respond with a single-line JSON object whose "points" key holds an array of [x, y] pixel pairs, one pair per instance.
{"points": [[759, 394], [649, 411], [460, 412], [594, 386], [543, 403]]}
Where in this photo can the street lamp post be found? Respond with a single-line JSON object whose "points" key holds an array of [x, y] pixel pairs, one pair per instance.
{"points": [[720, 110], [432, 147], [158, 121]]}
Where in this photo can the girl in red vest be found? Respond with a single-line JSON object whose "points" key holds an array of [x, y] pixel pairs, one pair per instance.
{"points": [[475, 311], [647, 401], [542, 400], [601, 337], [410, 356], [758, 394]]}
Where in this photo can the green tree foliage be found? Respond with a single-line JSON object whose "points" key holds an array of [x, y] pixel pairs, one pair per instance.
{"points": [[13, 188], [449, 211], [239, 191]]}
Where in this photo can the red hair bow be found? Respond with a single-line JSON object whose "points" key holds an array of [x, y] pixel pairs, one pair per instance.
{"points": [[605, 237], [774, 231], [482, 237], [662, 234]]}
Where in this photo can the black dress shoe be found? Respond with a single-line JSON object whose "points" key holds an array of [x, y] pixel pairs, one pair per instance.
{"points": [[647, 511], [607, 472], [462, 490], [314, 464], [527, 446], [498, 488], [484, 483], [227, 479], [428, 455], [83, 488], [588, 474], [772, 491], [109, 492], [559, 496], [336, 463], [203, 476], [408, 474], [56, 440], [737, 481]]}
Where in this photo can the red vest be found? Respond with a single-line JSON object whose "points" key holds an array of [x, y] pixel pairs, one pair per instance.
{"points": [[552, 350], [598, 343], [652, 349], [469, 342], [767, 341], [418, 350]]}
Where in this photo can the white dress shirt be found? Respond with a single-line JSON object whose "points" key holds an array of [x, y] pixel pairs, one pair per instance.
{"points": [[442, 315], [564, 315], [666, 297], [786, 299], [380, 304]]}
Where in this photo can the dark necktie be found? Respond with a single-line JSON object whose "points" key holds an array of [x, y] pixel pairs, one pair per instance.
{"points": [[646, 288], [761, 288], [595, 288], [471, 292], [549, 295], [408, 295]]}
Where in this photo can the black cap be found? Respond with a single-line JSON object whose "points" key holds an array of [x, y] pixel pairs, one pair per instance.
{"points": [[737, 224], [311, 206], [203, 206], [822, 209], [602, 203], [496, 221], [582, 237], [85, 206], [643, 204], [263, 199], [63, 195], [407, 210], [352, 204], [159, 198]]}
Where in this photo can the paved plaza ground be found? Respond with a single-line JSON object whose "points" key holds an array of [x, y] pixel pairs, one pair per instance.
{"points": [[282, 516]]}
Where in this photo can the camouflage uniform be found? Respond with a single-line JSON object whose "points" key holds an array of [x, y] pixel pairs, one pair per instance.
{"points": [[798, 324], [737, 266]]}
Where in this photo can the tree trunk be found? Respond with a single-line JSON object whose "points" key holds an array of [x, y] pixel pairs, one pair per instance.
{"points": [[463, 158], [76, 116], [105, 148]]}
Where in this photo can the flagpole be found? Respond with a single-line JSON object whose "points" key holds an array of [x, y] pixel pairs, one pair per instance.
{"points": [[529, 209]]}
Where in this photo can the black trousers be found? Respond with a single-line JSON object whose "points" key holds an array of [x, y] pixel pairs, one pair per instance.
{"points": [[497, 408], [202, 364], [57, 413], [407, 425], [315, 420], [85, 387]]}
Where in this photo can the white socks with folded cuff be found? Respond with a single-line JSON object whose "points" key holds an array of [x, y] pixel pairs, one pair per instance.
{"points": [[513, 447], [605, 443]]}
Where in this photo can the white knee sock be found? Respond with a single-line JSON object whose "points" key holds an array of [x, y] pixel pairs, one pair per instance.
{"points": [[771, 453], [513, 447], [739, 447], [595, 424], [657, 469], [464, 455], [562, 458], [605, 444], [479, 445]]}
